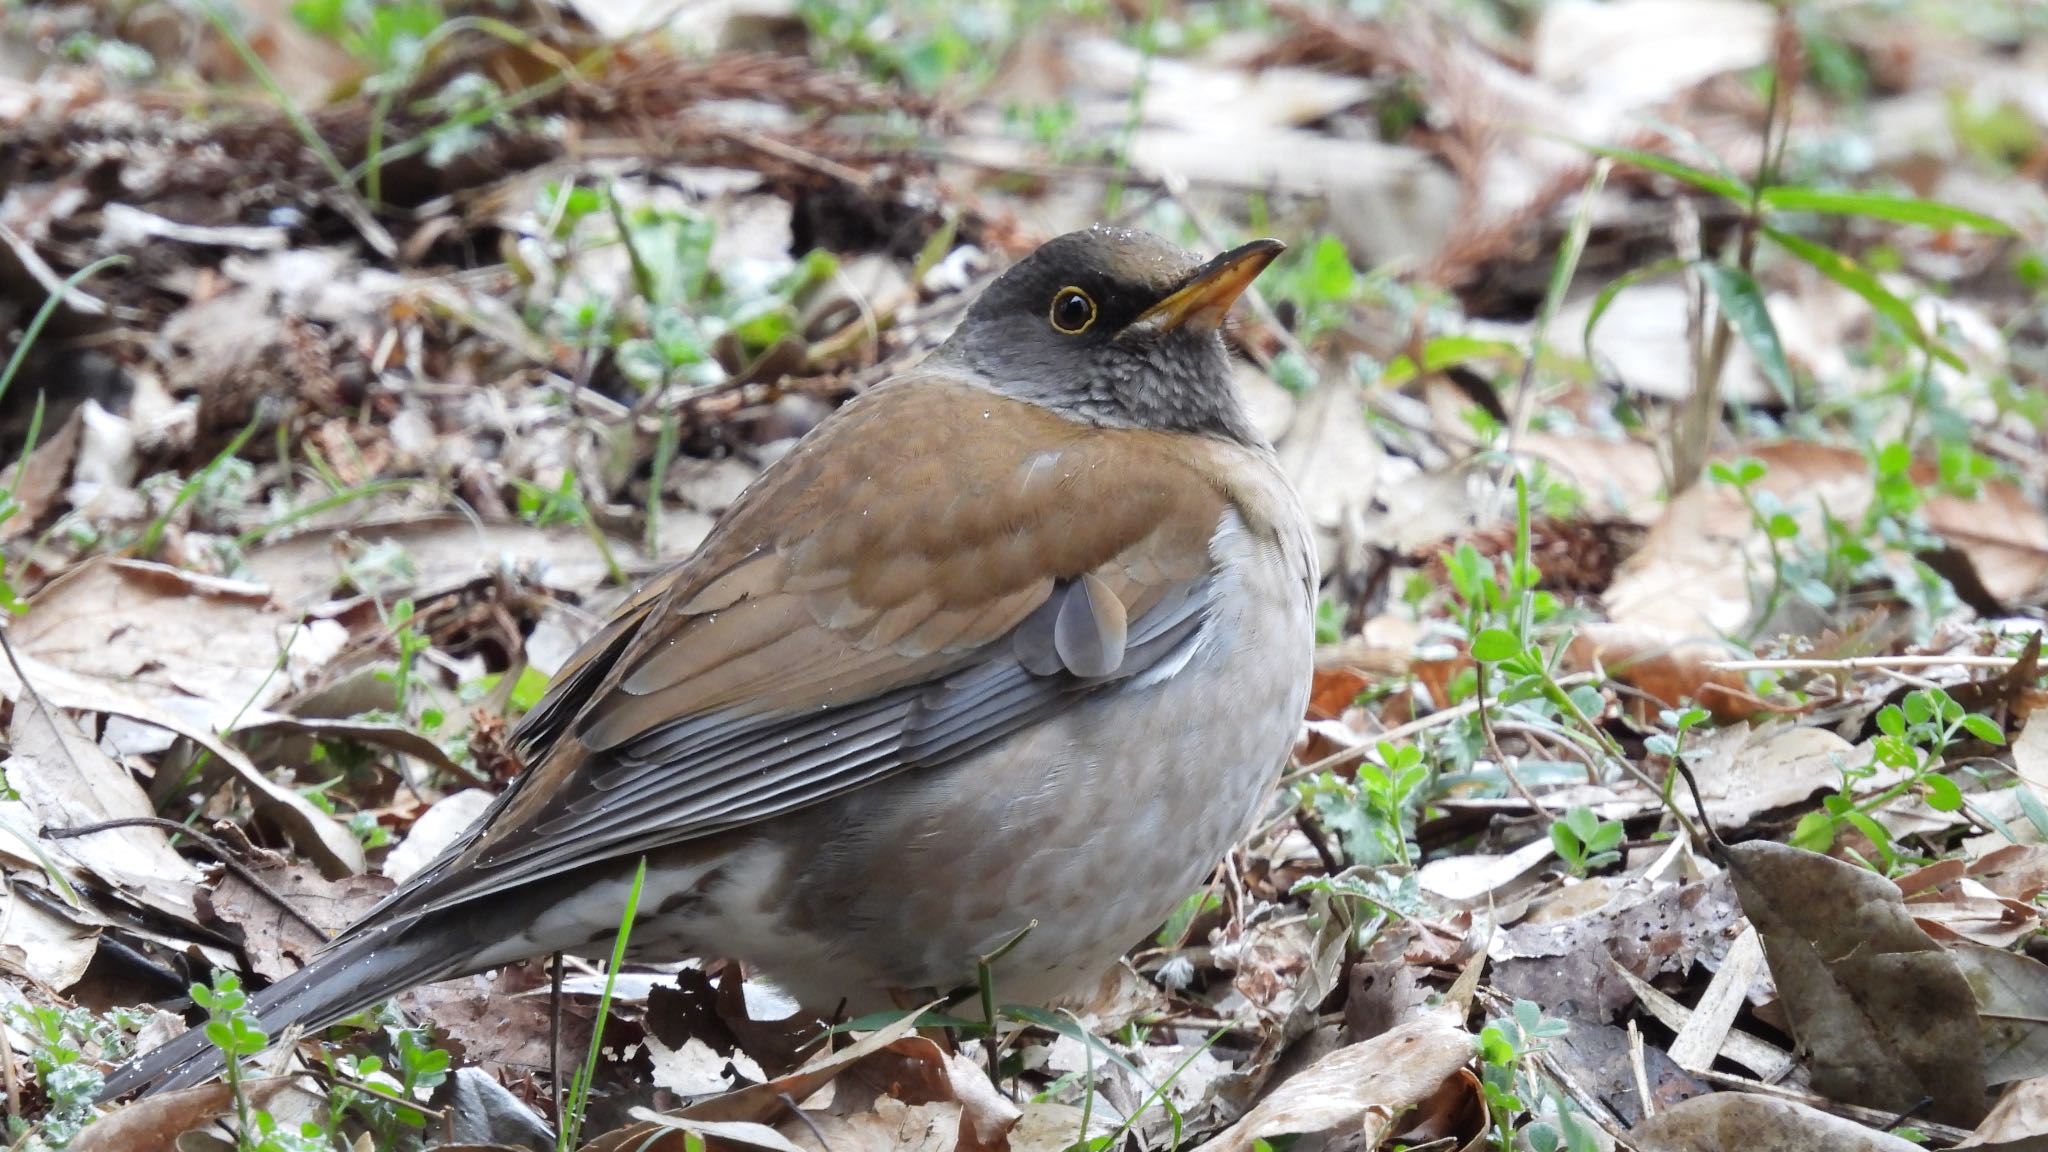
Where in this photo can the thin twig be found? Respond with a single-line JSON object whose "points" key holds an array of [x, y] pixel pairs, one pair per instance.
{"points": [[1861, 663], [1437, 719], [219, 851], [368, 1089]]}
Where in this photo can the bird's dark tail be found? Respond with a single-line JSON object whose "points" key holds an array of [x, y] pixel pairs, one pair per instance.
{"points": [[349, 976]]}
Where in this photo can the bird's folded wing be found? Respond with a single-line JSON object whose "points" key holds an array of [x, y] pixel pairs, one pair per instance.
{"points": [[914, 581]]}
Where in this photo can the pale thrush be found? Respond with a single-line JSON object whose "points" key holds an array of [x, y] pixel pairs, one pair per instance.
{"points": [[1021, 634]]}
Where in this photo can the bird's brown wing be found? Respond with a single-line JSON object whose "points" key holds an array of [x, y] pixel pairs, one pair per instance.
{"points": [[936, 566]]}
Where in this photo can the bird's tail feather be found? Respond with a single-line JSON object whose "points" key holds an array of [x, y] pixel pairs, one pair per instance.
{"points": [[348, 977]]}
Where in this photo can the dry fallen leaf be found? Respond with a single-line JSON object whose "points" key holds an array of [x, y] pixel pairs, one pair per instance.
{"points": [[314, 832], [65, 780], [157, 631], [2012, 1000], [154, 1123], [1358, 1090], [1884, 1015], [758, 1103], [1734, 1122], [1746, 770], [277, 942], [1648, 928], [2020, 1114], [1670, 668], [1698, 573]]}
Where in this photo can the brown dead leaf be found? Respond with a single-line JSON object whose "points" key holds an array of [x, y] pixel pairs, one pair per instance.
{"points": [[154, 1123], [2020, 1114], [38, 481], [1619, 477], [1747, 771], [1601, 1060], [2012, 1002], [757, 1103], [1734, 1122], [315, 833], [276, 942], [160, 632], [42, 939], [1649, 930], [723, 1134], [2002, 532], [2016, 871], [887, 1127], [498, 1021], [1968, 911], [1692, 578], [65, 781], [440, 550], [1381, 997], [1358, 1090], [1885, 1016]]}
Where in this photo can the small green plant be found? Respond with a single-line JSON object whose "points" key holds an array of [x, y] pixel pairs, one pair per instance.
{"points": [[545, 507], [66, 1044], [233, 1029], [1913, 735], [1513, 1087], [387, 36], [1791, 572], [1373, 812], [926, 44], [1389, 896], [412, 644], [415, 1068], [1585, 842]]}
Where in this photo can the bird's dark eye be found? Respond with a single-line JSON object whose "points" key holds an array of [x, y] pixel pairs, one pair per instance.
{"points": [[1073, 311]]}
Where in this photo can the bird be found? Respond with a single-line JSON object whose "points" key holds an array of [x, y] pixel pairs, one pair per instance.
{"points": [[1009, 649]]}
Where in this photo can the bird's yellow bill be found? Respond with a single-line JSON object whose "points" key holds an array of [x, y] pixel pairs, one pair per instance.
{"points": [[1207, 296]]}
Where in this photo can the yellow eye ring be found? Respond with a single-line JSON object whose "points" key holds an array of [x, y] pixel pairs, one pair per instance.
{"points": [[1073, 311]]}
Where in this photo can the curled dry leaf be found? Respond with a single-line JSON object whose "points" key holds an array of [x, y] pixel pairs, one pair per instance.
{"points": [[159, 632], [1733, 1122], [1885, 1015], [314, 832], [2020, 1114], [277, 942], [2015, 871], [1360, 1089], [757, 1103], [2012, 1001], [154, 1123], [66, 781], [1647, 928]]}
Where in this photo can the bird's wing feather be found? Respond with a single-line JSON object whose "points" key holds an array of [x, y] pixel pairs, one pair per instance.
{"points": [[914, 581]]}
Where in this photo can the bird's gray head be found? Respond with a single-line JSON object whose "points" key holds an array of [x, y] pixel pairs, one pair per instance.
{"points": [[1116, 327]]}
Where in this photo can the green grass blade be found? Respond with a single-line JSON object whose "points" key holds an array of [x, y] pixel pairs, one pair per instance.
{"points": [[1881, 206], [1742, 302], [1616, 287], [1726, 187], [51, 303], [579, 1093], [1856, 278]]}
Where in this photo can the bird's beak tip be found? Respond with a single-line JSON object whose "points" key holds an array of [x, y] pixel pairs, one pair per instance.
{"points": [[1206, 298]]}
